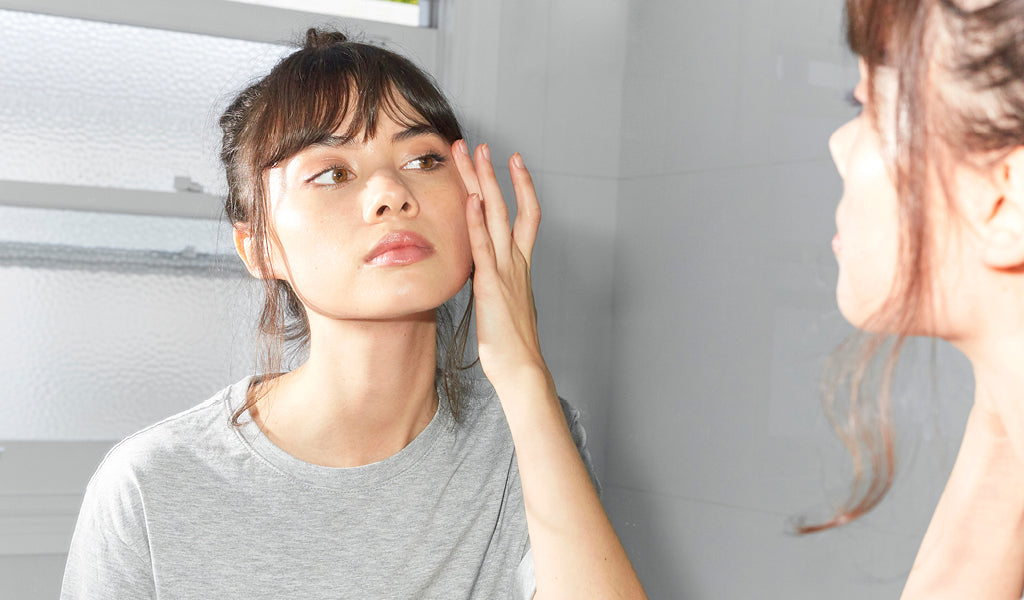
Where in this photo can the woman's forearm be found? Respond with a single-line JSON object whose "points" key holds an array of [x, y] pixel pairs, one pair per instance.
{"points": [[575, 549]]}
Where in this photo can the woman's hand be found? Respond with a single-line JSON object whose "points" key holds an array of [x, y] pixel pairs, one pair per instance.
{"points": [[506, 316], [576, 553]]}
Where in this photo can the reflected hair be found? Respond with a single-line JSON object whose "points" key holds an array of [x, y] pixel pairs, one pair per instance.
{"points": [[304, 100], [959, 99]]}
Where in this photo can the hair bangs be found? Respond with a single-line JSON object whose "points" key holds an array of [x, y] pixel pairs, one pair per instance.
{"points": [[308, 98], [866, 30]]}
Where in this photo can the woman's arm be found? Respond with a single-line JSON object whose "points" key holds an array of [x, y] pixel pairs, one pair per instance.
{"points": [[575, 549]]}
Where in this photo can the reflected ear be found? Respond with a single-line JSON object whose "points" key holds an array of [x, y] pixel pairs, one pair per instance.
{"points": [[244, 247], [1003, 229]]}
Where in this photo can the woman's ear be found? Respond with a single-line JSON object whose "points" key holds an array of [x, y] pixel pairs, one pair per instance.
{"points": [[1003, 229], [244, 248]]}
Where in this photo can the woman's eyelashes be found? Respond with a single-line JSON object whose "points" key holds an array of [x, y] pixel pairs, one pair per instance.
{"points": [[426, 162], [332, 176], [336, 175]]}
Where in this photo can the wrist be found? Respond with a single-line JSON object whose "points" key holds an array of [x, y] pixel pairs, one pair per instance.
{"points": [[530, 379]]}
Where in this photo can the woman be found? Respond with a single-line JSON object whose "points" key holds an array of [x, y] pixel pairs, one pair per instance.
{"points": [[367, 471], [931, 242]]}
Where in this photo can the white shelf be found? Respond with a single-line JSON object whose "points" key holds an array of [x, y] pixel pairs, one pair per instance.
{"points": [[55, 256], [113, 200]]}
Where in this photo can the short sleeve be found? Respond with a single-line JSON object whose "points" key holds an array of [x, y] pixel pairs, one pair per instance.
{"points": [[579, 435], [524, 586], [109, 555]]}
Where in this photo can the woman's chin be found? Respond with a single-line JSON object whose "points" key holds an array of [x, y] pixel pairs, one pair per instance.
{"points": [[865, 315], [854, 310]]}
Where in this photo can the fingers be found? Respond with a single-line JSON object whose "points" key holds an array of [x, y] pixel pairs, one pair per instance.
{"points": [[479, 177], [494, 203], [479, 238], [466, 168], [528, 207]]}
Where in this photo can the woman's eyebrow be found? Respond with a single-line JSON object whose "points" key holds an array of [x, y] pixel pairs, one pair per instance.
{"points": [[338, 141], [415, 131], [335, 141]]}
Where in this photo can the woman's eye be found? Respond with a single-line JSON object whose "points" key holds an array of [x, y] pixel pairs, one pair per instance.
{"points": [[333, 176], [426, 162]]}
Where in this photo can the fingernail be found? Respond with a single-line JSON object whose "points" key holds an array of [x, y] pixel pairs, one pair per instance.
{"points": [[517, 160], [460, 146], [485, 151]]}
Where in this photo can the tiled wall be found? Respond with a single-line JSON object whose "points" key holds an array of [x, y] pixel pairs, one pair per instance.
{"points": [[557, 71]]}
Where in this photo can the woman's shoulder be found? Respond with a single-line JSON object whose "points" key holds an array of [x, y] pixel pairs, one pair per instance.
{"points": [[172, 442]]}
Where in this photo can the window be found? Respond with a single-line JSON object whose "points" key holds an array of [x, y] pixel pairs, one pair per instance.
{"points": [[415, 13], [129, 304]]}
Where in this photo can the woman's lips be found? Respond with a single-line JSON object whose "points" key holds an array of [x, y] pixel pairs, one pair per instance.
{"points": [[837, 243], [399, 248]]}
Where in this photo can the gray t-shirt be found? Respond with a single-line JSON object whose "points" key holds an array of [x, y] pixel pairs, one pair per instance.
{"points": [[193, 507]]}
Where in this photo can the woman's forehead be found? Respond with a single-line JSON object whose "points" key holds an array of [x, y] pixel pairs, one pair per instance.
{"points": [[385, 124], [391, 113], [388, 131]]}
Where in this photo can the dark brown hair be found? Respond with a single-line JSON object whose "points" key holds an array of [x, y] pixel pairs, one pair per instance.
{"points": [[302, 101], [959, 97]]}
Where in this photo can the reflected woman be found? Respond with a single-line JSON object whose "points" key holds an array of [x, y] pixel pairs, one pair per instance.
{"points": [[372, 470], [931, 242]]}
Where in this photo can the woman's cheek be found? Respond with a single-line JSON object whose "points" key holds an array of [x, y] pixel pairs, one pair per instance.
{"points": [[867, 269]]}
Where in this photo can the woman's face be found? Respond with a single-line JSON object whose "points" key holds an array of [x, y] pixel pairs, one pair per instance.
{"points": [[866, 243], [373, 230]]}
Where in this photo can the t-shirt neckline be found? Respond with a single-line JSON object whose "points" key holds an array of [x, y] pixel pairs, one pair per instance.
{"points": [[340, 478]]}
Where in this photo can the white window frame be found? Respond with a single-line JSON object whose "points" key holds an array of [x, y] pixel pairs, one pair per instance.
{"points": [[255, 23]]}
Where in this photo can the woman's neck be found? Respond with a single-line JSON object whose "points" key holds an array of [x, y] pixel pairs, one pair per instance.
{"points": [[365, 392], [999, 386], [974, 546]]}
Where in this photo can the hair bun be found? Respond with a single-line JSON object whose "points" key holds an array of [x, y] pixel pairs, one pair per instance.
{"points": [[323, 38]]}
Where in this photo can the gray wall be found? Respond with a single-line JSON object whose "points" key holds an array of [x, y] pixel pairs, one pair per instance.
{"points": [[544, 78]]}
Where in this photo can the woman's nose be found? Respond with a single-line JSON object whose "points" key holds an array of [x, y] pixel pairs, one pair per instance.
{"points": [[388, 197], [839, 145]]}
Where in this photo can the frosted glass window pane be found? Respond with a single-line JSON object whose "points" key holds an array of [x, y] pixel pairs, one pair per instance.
{"points": [[110, 230], [96, 355], [111, 322], [99, 104]]}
